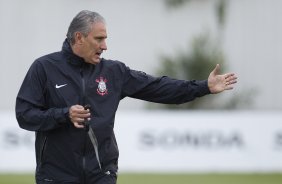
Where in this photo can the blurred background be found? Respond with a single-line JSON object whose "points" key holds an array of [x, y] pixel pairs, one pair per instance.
{"points": [[235, 132]]}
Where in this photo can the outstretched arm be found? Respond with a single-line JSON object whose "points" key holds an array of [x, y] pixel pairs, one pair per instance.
{"points": [[218, 83]]}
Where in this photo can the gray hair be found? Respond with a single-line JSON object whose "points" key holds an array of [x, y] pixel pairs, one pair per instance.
{"points": [[82, 23]]}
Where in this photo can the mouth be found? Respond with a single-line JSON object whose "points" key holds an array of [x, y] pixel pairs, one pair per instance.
{"points": [[98, 54]]}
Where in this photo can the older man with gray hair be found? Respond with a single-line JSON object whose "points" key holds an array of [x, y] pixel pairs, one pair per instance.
{"points": [[69, 98]]}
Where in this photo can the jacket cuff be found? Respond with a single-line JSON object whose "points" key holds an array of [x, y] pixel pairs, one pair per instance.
{"points": [[204, 87], [62, 115]]}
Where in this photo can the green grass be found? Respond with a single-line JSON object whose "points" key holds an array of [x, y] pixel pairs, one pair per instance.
{"points": [[16, 179], [169, 179], [201, 179]]}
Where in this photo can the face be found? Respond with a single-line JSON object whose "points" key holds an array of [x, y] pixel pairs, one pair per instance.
{"points": [[93, 45]]}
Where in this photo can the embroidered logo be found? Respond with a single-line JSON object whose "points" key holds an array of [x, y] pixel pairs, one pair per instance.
{"points": [[102, 87], [60, 86]]}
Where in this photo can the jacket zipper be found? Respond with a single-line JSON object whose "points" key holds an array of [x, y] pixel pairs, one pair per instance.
{"points": [[93, 140], [84, 146]]}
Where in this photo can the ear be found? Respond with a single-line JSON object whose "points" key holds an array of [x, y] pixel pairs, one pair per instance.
{"points": [[79, 38]]}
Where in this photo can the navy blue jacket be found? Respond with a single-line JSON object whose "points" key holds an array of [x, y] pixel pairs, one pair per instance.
{"points": [[59, 80]]}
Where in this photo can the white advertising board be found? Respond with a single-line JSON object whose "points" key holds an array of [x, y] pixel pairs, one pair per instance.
{"points": [[172, 141]]}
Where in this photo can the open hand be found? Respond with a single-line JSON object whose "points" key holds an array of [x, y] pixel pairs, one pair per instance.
{"points": [[218, 83]]}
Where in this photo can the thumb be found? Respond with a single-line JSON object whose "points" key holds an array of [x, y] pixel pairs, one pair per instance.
{"points": [[215, 70]]}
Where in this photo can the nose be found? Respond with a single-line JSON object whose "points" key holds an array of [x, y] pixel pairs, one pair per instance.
{"points": [[104, 45]]}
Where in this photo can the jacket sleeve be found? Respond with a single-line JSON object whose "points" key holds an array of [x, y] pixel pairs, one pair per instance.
{"points": [[162, 89], [32, 112]]}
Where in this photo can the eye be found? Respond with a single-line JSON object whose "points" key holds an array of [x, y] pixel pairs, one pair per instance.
{"points": [[99, 39]]}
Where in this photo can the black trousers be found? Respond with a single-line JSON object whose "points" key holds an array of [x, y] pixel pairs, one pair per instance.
{"points": [[103, 178], [108, 177]]}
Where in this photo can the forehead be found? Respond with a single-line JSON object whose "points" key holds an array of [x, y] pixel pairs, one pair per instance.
{"points": [[98, 28]]}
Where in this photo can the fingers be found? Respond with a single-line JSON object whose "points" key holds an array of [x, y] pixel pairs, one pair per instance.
{"points": [[230, 76], [78, 114], [78, 125], [230, 79], [228, 87]]}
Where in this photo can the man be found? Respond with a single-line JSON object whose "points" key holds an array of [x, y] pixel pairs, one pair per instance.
{"points": [[69, 98]]}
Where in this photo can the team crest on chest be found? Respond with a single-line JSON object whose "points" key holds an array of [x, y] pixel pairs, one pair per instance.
{"points": [[102, 87]]}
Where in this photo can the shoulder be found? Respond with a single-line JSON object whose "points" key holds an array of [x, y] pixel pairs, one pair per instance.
{"points": [[113, 65], [49, 58], [49, 61], [44, 63]]}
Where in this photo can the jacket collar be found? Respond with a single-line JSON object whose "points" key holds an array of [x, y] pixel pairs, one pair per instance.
{"points": [[72, 58]]}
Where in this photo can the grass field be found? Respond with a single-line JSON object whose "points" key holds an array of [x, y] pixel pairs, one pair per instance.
{"points": [[169, 179]]}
